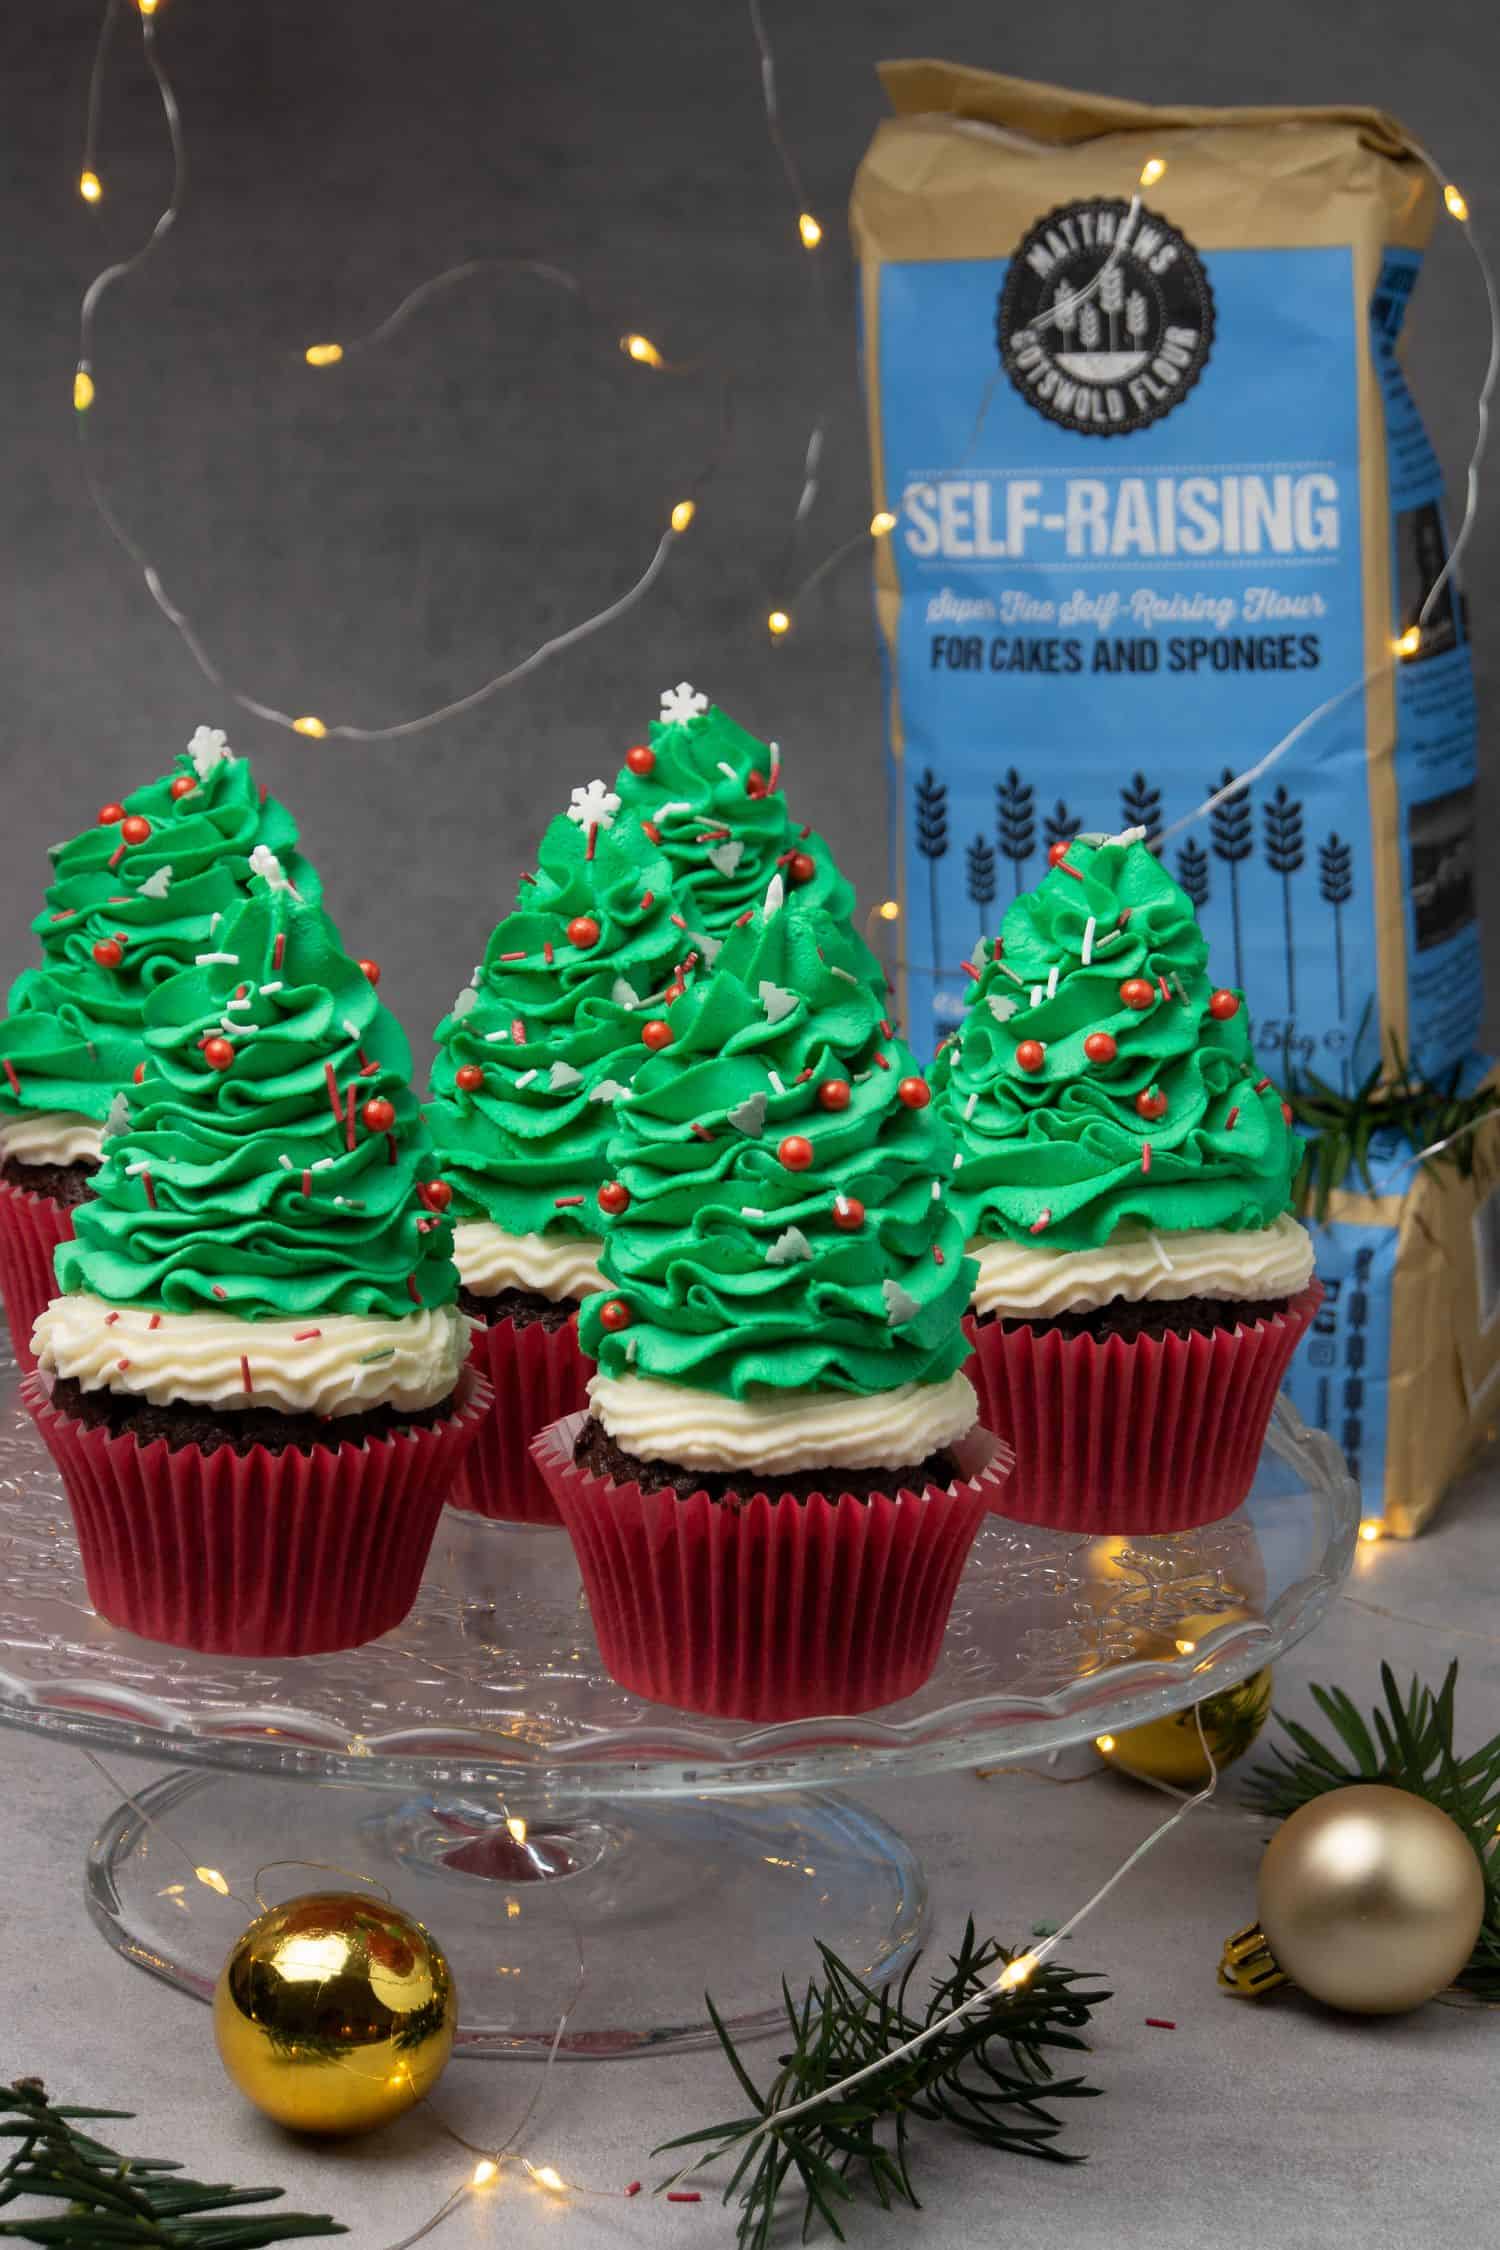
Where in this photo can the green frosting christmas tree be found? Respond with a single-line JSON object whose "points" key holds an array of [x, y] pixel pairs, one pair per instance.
{"points": [[535, 1054], [1099, 1081], [133, 900], [272, 1160], [709, 795], [780, 1181]]}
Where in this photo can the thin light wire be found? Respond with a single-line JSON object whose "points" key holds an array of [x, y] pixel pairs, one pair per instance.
{"points": [[159, 1829], [96, 88], [555, 276]]}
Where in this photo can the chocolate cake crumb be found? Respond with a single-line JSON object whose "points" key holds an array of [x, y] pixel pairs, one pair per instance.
{"points": [[596, 1451], [183, 1425], [67, 1184], [1151, 1316], [525, 1307]]}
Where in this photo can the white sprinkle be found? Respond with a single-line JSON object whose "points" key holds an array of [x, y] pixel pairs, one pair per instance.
{"points": [[630, 1349], [233, 1030], [214, 923], [1176, 979], [351, 1027], [1126, 836], [240, 1001], [1052, 981], [969, 1107], [478, 973], [1161, 1253], [726, 768], [496, 1038], [847, 974], [1087, 951], [681, 804], [276, 987], [775, 750], [776, 1082], [525, 1078], [142, 1164], [1111, 937], [957, 1163], [1036, 996], [861, 1075], [937, 1191], [286, 1164], [751, 1211], [1007, 971], [841, 1203], [202, 960], [324, 1163]]}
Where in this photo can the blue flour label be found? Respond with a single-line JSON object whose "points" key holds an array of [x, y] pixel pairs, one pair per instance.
{"points": [[1130, 552]]}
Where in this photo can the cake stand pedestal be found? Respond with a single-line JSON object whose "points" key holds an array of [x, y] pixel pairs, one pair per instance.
{"points": [[567, 1841]]}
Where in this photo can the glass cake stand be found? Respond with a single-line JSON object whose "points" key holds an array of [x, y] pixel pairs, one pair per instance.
{"points": [[559, 1835]]}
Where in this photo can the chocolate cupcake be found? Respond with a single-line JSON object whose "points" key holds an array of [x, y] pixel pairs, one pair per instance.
{"points": [[778, 1480], [1124, 1184], [134, 899], [532, 1060], [253, 1378]]}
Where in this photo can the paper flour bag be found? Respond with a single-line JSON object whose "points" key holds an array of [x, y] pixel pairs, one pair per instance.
{"points": [[1161, 494]]}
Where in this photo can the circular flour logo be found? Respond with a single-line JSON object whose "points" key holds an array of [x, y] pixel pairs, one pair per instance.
{"points": [[1106, 319]]}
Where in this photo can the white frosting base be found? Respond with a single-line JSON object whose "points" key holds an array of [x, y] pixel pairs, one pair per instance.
{"points": [[194, 1358], [1273, 1261], [798, 1430], [555, 1265], [50, 1136]]}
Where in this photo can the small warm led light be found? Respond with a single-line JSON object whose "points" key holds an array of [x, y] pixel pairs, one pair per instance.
{"points": [[547, 2176], [148, 7], [778, 622], [809, 229], [1018, 1972], [1407, 643], [683, 514], [1453, 197], [323, 355], [213, 1879], [517, 1828], [513, 1909], [889, 910], [882, 523], [307, 724], [642, 349], [1104, 1743], [1186, 1648], [483, 2172], [1371, 1529], [1152, 170], [90, 186], [83, 391]]}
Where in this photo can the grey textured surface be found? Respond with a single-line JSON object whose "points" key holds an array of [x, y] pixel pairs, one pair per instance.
{"points": [[367, 542], [1243, 2127]]}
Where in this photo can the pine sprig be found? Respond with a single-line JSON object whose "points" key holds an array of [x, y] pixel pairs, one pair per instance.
{"points": [[1408, 1744], [987, 2076], [1340, 1127], [113, 2202]]}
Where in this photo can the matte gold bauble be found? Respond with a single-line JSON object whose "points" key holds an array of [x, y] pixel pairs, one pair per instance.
{"points": [[1370, 1899], [334, 2013], [1169, 1749]]}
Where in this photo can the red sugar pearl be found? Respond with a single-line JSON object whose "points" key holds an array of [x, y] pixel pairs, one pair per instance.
{"points": [[183, 785], [109, 953], [1223, 1004], [218, 1053], [1058, 851], [802, 867], [795, 1152], [583, 931], [379, 1114], [370, 969], [1151, 1104], [135, 828], [835, 1093], [469, 1076], [657, 1034], [436, 1194], [849, 1214], [915, 1093], [1100, 1047], [614, 1315], [614, 1197], [109, 814], [641, 758], [1030, 1055], [1138, 992]]}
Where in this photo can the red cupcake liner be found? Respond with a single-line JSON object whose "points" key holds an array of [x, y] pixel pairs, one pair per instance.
{"points": [[537, 1376], [258, 1553], [31, 1227], [776, 1608], [1146, 1434]]}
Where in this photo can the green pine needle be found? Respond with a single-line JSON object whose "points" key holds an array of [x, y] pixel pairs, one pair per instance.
{"points": [[1337, 1129], [987, 2077], [113, 2202], [1408, 1744]]}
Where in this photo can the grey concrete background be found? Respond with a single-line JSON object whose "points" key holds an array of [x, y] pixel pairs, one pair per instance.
{"points": [[368, 542]]}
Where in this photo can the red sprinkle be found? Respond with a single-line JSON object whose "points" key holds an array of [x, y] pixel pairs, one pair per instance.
{"points": [[115, 857], [1039, 1226], [649, 828], [110, 1318], [305, 1335], [648, 898], [122, 1364], [685, 2195], [349, 1120], [528, 879], [937, 1256], [741, 919], [702, 1132], [565, 1202], [150, 1190], [886, 1026], [803, 1076], [368, 1069], [10, 1072], [593, 840], [245, 1373], [278, 950], [1068, 868], [512, 956], [390, 1148], [68, 913], [517, 1032], [677, 922], [1125, 914], [154, 1321], [334, 1101], [307, 1183], [880, 1062], [806, 831], [634, 2188], [1164, 987], [412, 1290], [218, 1292], [1160, 2023], [1230, 1119], [547, 951], [239, 991], [1145, 1156]]}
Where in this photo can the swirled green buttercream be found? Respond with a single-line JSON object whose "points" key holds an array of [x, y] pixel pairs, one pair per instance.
{"points": [[743, 1270], [1178, 1128], [74, 1030], [265, 1184]]}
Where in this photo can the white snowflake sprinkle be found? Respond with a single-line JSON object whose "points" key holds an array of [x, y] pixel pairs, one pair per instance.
{"points": [[209, 748], [624, 994], [265, 864], [776, 1000], [899, 1304], [157, 885], [594, 806], [681, 703], [563, 1074], [609, 1090], [790, 1245], [749, 1116], [727, 857], [1002, 1007], [466, 1000]]}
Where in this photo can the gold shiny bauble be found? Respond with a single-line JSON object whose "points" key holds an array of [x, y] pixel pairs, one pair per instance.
{"points": [[1371, 1899], [335, 2013], [1169, 1749]]}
